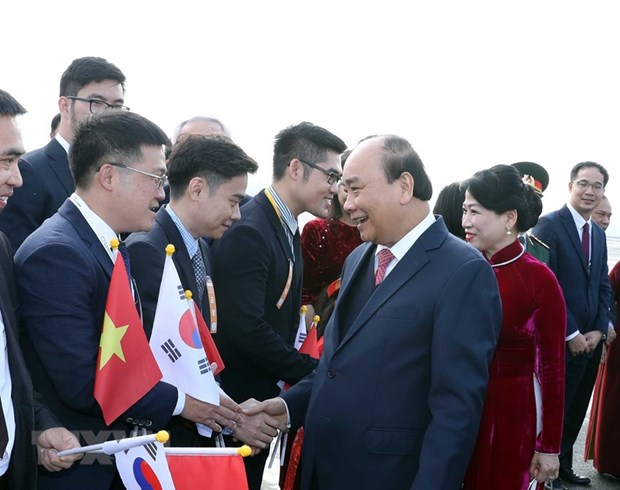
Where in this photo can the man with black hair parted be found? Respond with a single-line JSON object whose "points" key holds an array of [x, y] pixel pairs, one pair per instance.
{"points": [[258, 271]]}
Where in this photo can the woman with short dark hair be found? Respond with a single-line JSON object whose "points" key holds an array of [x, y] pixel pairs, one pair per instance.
{"points": [[521, 427]]}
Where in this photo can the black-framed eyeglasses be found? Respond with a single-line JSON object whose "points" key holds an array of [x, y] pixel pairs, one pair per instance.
{"points": [[332, 177], [160, 179], [596, 186], [98, 105]]}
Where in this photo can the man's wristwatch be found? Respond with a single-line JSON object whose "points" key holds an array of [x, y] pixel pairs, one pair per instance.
{"points": [[604, 337]]}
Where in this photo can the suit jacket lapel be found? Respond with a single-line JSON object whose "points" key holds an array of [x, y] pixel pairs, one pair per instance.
{"points": [[181, 257], [413, 261], [571, 231], [72, 214], [597, 247], [59, 164], [205, 248], [271, 214]]}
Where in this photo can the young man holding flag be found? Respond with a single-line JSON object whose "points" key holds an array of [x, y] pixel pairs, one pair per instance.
{"points": [[208, 177], [63, 273], [258, 270]]}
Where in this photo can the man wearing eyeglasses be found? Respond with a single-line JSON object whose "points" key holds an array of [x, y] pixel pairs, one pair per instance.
{"points": [[258, 271], [579, 260], [87, 86], [63, 272]]}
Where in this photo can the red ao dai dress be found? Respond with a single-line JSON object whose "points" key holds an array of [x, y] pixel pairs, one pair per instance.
{"points": [[531, 341]]}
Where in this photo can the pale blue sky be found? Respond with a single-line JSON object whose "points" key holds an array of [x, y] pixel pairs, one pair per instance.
{"points": [[470, 84]]}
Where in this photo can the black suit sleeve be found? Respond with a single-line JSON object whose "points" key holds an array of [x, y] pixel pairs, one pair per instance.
{"points": [[43, 418], [244, 282]]}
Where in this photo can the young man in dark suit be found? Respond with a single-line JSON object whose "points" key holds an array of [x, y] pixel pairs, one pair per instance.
{"points": [[258, 271], [20, 412], [208, 176], [117, 161], [579, 260], [87, 86], [398, 394]]}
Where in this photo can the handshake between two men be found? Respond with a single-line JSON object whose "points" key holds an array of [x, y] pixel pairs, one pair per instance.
{"points": [[255, 423]]}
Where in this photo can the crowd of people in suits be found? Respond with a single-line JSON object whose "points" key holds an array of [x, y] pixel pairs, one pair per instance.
{"points": [[462, 344]]}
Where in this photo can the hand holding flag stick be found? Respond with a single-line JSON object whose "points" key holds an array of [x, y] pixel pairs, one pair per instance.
{"points": [[111, 447]]}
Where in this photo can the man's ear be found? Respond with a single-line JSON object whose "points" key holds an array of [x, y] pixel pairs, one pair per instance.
{"points": [[197, 186], [295, 169], [407, 185], [105, 176]]}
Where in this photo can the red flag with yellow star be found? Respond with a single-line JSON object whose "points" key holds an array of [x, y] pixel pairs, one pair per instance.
{"points": [[126, 368]]}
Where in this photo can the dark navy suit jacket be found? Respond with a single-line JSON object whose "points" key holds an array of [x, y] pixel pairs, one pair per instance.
{"points": [[398, 394], [29, 412], [63, 275], [255, 337], [147, 251], [47, 183], [587, 293]]}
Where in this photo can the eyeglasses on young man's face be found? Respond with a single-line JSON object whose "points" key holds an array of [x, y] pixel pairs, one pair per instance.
{"points": [[332, 177], [98, 105], [160, 179]]}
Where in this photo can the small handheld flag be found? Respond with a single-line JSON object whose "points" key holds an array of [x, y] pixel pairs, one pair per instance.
{"points": [[124, 351]]}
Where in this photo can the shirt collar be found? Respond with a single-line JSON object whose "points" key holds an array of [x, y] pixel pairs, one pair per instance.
{"points": [[577, 218], [191, 244], [401, 247], [288, 219], [103, 231], [63, 142]]}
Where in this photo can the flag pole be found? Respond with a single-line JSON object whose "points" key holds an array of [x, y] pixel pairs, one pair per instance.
{"points": [[111, 447], [209, 451]]}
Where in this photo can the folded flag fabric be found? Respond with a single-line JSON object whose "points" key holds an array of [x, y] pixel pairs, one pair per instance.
{"points": [[213, 472], [145, 468], [176, 342], [124, 352], [213, 355], [300, 336], [311, 342]]}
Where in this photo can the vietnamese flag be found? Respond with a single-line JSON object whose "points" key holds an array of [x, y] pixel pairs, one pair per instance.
{"points": [[126, 368]]}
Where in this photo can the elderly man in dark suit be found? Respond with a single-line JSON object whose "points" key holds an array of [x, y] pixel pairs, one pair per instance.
{"points": [[20, 411], [117, 161], [397, 398], [87, 86], [579, 261], [258, 271]]}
